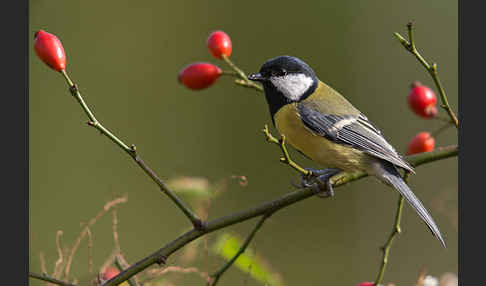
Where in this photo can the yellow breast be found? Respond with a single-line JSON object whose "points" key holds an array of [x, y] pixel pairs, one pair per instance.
{"points": [[314, 146]]}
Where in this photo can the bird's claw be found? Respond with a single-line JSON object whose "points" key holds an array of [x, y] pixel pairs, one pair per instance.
{"points": [[319, 182]]}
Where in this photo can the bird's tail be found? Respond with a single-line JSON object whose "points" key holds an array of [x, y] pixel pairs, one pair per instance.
{"points": [[392, 177]]}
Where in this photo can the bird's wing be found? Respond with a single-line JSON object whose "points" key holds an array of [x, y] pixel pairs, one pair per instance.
{"points": [[354, 130]]}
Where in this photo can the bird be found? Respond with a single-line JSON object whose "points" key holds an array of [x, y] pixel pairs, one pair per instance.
{"points": [[325, 127]]}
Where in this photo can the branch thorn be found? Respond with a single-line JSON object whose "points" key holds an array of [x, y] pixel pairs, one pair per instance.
{"points": [[73, 89], [434, 67], [161, 260], [133, 148]]}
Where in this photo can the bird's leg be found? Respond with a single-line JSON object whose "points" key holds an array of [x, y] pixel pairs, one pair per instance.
{"points": [[319, 182]]}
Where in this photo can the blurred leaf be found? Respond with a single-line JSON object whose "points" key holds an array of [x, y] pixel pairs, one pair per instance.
{"points": [[227, 245], [192, 187]]}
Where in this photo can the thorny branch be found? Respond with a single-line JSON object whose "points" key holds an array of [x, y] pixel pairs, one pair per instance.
{"points": [[201, 228], [396, 230], [286, 159], [162, 254], [431, 69], [216, 275], [50, 279], [73, 88], [243, 79], [122, 264], [85, 230]]}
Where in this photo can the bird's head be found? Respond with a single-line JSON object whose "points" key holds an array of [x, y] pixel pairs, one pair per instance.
{"points": [[287, 77]]}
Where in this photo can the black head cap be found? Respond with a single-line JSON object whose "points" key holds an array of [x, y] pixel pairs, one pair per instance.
{"points": [[278, 68]]}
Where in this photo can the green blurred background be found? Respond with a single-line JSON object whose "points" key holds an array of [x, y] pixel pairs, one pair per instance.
{"points": [[125, 56]]}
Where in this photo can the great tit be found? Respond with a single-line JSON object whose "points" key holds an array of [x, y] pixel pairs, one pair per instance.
{"points": [[320, 123]]}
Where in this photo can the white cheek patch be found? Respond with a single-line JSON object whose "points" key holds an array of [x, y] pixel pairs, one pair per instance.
{"points": [[292, 86]]}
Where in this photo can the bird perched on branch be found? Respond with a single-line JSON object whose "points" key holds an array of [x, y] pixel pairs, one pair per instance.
{"points": [[320, 123]]}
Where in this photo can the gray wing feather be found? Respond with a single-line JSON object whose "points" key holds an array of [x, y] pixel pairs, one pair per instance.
{"points": [[353, 130]]}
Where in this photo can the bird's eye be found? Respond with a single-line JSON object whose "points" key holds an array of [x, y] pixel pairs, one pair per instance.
{"points": [[280, 72]]}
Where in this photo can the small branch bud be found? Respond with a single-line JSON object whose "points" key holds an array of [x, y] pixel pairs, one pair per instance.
{"points": [[434, 67], [133, 148], [431, 69]]}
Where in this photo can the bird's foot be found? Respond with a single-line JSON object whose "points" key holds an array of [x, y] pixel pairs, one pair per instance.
{"points": [[319, 181]]}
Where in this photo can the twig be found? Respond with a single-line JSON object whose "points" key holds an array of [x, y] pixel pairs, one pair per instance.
{"points": [[83, 233], [216, 275], [243, 81], [42, 262], [162, 254], [437, 155], [115, 231], [432, 69], [108, 262], [130, 151], [46, 278], [90, 251], [396, 230], [230, 73], [60, 260], [176, 269], [113, 203], [248, 84], [122, 264], [286, 159]]}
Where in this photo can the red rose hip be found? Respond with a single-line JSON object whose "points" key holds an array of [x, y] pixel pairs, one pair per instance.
{"points": [[199, 75], [422, 100], [219, 43], [50, 50], [366, 284], [110, 272], [422, 142]]}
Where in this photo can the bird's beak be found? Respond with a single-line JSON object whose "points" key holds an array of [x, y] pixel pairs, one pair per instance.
{"points": [[256, 77]]}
